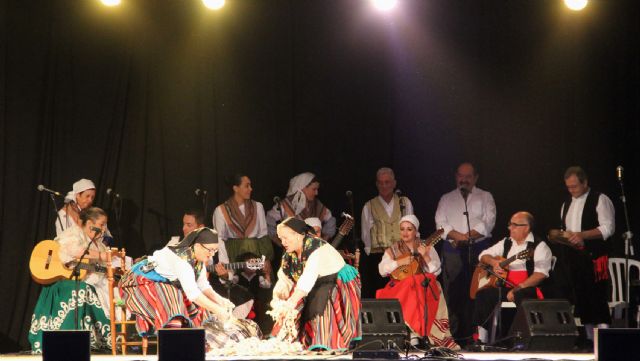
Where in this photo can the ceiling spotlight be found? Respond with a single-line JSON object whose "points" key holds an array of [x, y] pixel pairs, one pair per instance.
{"points": [[576, 5], [110, 2], [384, 5], [213, 4]]}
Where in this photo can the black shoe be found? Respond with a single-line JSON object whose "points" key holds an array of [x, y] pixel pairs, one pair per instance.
{"points": [[475, 346]]}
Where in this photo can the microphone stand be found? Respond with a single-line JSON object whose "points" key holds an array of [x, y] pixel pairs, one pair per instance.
{"points": [[76, 274], [55, 211], [465, 195], [501, 282], [352, 245], [627, 236]]}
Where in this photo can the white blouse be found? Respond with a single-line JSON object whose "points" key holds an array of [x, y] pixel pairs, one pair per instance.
{"points": [[322, 262], [388, 264], [172, 267]]}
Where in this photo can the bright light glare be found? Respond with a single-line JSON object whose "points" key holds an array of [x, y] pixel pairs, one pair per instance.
{"points": [[213, 4], [576, 5], [110, 2], [384, 4]]}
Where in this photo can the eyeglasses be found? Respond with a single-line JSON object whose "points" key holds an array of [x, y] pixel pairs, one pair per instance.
{"points": [[211, 251], [516, 224]]}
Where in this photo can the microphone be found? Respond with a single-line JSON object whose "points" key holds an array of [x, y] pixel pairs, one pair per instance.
{"points": [[201, 192], [464, 192], [112, 193], [398, 193], [96, 229], [42, 188], [276, 200], [349, 194], [619, 171]]}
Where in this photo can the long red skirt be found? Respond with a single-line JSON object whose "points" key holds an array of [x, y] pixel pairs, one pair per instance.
{"points": [[411, 294]]}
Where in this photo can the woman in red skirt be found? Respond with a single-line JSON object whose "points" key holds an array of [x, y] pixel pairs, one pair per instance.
{"points": [[414, 289]]}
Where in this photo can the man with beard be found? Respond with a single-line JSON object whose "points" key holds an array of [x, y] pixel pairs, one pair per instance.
{"points": [[463, 241]]}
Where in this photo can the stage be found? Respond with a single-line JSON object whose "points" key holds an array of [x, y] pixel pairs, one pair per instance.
{"points": [[469, 356]]}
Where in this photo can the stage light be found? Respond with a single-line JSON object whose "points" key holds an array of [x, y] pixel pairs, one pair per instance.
{"points": [[576, 5], [213, 4], [110, 2], [384, 5]]}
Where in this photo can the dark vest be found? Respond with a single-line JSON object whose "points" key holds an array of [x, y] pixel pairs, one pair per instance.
{"points": [[595, 247], [530, 245]]}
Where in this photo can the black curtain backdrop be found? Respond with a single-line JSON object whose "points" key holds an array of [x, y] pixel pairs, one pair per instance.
{"points": [[157, 98]]}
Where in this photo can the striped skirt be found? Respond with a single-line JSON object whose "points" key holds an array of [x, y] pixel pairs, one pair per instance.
{"points": [[339, 322], [156, 303]]}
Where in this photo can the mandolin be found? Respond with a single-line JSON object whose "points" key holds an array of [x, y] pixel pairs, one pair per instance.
{"points": [[482, 279], [413, 268]]}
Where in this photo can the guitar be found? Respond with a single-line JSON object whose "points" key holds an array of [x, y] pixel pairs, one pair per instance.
{"points": [[47, 268], [344, 229], [253, 264], [413, 268], [482, 279]]}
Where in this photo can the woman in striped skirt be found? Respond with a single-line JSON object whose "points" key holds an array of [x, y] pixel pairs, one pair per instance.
{"points": [[316, 285], [170, 288]]}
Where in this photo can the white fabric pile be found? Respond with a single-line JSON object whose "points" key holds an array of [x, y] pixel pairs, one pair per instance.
{"points": [[253, 346], [281, 311]]}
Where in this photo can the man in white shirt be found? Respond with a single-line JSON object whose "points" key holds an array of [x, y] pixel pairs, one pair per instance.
{"points": [[588, 217], [458, 257], [380, 228], [525, 272]]}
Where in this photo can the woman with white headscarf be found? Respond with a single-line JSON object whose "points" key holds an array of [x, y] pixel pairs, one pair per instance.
{"points": [[302, 202], [412, 290], [80, 197]]}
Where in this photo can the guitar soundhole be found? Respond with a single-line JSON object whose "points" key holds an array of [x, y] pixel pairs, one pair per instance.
{"points": [[49, 255]]}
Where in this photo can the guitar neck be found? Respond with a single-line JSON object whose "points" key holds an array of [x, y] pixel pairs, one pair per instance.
{"points": [[508, 261], [234, 265]]}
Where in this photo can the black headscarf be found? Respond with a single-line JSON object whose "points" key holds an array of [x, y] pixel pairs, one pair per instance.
{"points": [[202, 235]]}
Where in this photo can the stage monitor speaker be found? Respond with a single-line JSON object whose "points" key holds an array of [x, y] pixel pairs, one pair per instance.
{"points": [[382, 324], [616, 344], [544, 325], [66, 346], [184, 344]]}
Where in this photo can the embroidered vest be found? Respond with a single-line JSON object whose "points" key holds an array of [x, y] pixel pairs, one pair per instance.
{"points": [[386, 229]]}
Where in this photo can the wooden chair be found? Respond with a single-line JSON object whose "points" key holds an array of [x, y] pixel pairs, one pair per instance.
{"points": [[118, 312]]}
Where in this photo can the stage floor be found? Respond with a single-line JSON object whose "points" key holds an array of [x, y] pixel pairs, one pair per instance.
{"points": [[467, 356]]}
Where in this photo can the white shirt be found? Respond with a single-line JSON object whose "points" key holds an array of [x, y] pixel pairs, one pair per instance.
{"points": [[541, 255], [68, 222], [225, 232], [172, 267], [367, 218], [388, 264], [604, 208], [323, 261], [482, 212]]}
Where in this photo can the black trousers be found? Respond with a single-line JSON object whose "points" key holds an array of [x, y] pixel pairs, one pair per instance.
{"points": [[456, 281], [487, 299], [591, 296], [369, 275]]}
